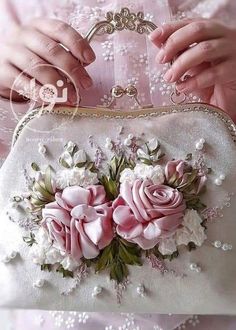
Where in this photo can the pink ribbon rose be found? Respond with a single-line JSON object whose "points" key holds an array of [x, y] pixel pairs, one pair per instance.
{"points": [[181, 171], [144, 212], [80, 221]]}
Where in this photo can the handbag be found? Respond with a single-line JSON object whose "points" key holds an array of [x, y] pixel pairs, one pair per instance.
{"points": [[120, 211]]}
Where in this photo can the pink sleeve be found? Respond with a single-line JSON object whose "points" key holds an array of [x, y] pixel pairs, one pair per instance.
{"points": [[223, 10]]}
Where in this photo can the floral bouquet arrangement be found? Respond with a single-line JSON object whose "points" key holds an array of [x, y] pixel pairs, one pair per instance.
{"points": [[139, 206]]}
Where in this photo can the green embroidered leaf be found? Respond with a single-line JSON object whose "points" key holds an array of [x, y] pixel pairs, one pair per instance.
{"points": [[35, 167], [191, 246], [118, 272], [171, 256], [104, 259], [189, 157], [30, 240], [116, 257], [195, 203], [64, 272], [146, 161], [39, 188], [64, 163], [46, 267], [159, 255], [48, 180], [191, 177], [91, 166], [110, 186], [43, 190], [128, 256], [117, 165], [80, 165]]}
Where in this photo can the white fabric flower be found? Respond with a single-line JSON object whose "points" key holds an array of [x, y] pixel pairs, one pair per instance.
{"points": [[68, 263], [42, 238], [75, 177], [37, 253], [66, 156], [127, 175], [70, 146], [154, 173], [153, 144], [143, 171], [53, 256], [79, 157], [167, 246], [192, 230]]}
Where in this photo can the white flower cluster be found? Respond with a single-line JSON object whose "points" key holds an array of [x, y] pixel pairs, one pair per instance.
{"points": [[75, 176], [143, 171], [76, 173], [43, 252], [191, 231]]}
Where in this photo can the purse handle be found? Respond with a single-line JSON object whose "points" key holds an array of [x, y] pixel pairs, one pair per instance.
{"points": [[125, 20]]}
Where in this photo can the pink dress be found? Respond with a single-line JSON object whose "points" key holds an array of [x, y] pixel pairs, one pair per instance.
{"points": [[122, 60]]}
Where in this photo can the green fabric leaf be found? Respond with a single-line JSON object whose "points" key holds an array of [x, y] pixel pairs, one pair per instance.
{"points": [[48, 180], [46, 267], [64, 272], [35, 167]]}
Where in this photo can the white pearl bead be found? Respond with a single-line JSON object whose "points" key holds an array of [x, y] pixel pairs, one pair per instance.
{"points": [[96, 291], [108, 140], [39, 284], [130, 136], [217, 244], [202, 141], [225, 247], [109, 146], [199, 146], [230, 247], [141, 290], [218, 182], [193, 266], [127, 142], [13, 255], [222, 177]]}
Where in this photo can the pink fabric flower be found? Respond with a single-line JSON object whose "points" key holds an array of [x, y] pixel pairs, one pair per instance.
{"points": [[180, 170], [144, 212], [177, 168], [80, 221]]}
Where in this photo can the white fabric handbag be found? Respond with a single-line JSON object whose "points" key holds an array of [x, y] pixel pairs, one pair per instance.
{"points": [[129, 211]]}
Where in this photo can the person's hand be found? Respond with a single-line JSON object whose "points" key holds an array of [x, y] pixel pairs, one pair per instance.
{"points": [[36, 50], [204, 55]]}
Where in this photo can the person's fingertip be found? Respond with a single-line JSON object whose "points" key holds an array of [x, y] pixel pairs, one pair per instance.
{"points": [[156, 34], [181, 87], [89, 55], [86, 82], [160, 58]]}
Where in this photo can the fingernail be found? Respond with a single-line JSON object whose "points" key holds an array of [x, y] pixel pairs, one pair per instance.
{"points": [[161, 56], [155, 34], [168, 76], [89, 55], [86, 82], [180, 87]]}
